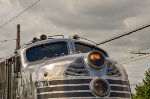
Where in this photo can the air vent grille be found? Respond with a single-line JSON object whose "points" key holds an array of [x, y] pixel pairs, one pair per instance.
{"points": [[77, 68], [113, 71]]}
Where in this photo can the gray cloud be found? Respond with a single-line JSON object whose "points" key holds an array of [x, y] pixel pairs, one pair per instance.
{"points": [[93, 19], [89, 15]]}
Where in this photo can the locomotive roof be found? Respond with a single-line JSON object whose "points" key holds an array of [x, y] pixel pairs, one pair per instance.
{"points": [[30, 44]]}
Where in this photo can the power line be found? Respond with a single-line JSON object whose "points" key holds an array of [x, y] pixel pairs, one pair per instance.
{"points": [[19, 14], [7, 40], [136, 84], [127, 59], [143, 49], [140, 53], [131, 58], [136, 59], [124, 34]]}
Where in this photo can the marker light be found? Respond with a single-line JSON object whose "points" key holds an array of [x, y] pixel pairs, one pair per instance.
{"points": [[100, 87], [96, 60], [95, 56]]}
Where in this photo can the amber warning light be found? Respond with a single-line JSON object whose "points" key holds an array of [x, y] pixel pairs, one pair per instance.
{"points": [[96, 60], [95, 56]]}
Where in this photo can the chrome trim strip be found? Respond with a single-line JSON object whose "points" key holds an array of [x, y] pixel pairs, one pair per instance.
{"points": [[73, 91], [79, 93], [65, 85], [81, 81]]}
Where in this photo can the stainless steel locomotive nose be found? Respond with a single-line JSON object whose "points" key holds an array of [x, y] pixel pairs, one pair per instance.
{"points": [[48, 68]]}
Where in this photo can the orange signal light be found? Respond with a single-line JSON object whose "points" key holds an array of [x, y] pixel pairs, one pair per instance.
{"points": [[95, 56]]}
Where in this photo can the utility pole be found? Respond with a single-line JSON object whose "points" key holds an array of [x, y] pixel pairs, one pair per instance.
{"points": [[18, 37]]}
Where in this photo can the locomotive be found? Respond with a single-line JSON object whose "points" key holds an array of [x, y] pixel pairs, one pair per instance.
{"points": [[62, 68]]}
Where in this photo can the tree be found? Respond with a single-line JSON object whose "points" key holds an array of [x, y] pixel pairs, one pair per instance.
{"points": [[143, 91]]}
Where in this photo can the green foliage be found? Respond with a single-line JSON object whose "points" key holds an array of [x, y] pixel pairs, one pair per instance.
{"points": [[134, 96], [143, 91]]}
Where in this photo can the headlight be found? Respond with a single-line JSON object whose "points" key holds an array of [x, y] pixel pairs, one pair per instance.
{"points": [[96, 60], [100, 87]]}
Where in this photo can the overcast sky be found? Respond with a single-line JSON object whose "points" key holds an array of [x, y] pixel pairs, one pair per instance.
{"points": [[93, 19]]}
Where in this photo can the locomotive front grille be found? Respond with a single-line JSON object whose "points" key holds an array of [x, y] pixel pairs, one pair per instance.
{"points": [[77, 68], [77, 88]]}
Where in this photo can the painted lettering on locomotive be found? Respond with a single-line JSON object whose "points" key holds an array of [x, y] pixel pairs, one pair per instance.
{"points": [[62, 68]]}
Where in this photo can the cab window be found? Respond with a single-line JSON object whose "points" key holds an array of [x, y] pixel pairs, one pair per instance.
{"points": [[84, 48], [47, 51]]}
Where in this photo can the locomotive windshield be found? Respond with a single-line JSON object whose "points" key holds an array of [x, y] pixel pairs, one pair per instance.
{"points": [[46, 51]]}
